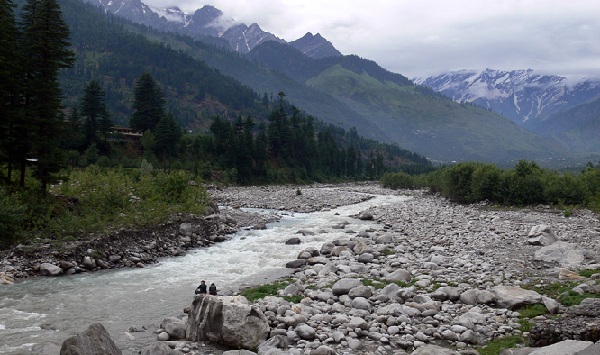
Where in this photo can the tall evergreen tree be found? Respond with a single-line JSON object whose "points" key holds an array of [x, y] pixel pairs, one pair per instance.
{"points": [[148, 104], [9, 74], [168, 134], [94, 112], [45, 46]]}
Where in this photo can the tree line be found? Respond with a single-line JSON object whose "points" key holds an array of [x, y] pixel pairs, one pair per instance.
{"points": [[32, 51]]}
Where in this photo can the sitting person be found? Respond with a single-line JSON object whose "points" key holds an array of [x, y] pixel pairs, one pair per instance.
{"points": [[202, 288], [212, 289]]}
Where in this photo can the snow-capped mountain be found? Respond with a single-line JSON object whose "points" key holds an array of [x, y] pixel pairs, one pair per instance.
{"points": [[209, 22], [521, 95]]}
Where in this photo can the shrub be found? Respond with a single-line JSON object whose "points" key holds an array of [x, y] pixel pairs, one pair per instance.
{"points": [[400, 180]]}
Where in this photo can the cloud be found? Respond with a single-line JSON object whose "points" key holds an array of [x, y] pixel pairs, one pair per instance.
{"points": [[425, 37]]}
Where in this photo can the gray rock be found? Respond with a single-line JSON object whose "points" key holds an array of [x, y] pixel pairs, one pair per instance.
{"points": [[398, 275], [296, 264], [512, 297], [431, 349], [186, 229], [47, 269], [541, 235], [227, 320], [343, 286], [357, 322], [239, 352], [564, 253], [469, 297], [590, 350], [360, 291], [305, 331], [174, 327], [159, 348], [360, 303], [93, 341], [565, 347], [485, 297], [293, 241], [89, 263]]}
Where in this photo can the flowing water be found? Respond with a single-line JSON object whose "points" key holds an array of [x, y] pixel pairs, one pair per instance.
{"points": [[51, 309]]}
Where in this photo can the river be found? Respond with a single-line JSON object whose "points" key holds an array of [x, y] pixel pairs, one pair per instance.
{"points": [[46, 309]]}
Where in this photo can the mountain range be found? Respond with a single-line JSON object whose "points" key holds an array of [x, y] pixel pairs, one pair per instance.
{"points": [[552, 105], [345, 90]]}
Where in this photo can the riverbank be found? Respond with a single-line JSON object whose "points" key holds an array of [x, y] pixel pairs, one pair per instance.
{"points": [[413, 258], [460, 269]]}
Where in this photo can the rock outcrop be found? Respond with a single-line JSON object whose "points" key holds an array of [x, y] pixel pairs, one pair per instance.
{"points": [[581, 322], [94, 341], [227, 320]]}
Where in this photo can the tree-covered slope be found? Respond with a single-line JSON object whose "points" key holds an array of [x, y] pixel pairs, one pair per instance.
{"points": [[347, 91]]}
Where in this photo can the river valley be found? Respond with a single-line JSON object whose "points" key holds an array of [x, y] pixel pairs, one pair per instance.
{"points": [[51, 309]]}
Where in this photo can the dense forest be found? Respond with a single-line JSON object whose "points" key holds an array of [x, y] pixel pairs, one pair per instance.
{"points": [[67, 107]]}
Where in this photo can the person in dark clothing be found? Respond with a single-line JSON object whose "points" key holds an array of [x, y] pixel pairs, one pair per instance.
{"points": [[202, 288], [212, 289]]}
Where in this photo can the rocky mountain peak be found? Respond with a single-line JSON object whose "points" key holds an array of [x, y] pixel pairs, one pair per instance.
{"points": [[315, 46]]}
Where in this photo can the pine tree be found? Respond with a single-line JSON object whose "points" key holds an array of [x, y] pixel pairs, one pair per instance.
{"points": [[168, 134], [10, 71], [45, 49], [94, 112], [148, 104]]}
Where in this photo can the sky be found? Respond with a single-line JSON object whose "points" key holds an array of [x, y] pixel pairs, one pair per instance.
{"points": [[419, 38]]}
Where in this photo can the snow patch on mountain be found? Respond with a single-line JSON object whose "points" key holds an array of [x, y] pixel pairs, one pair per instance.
{"points": [[520, 95]]}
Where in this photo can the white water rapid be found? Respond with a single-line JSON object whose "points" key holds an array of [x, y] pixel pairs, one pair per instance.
{"points": [[52, 309]]}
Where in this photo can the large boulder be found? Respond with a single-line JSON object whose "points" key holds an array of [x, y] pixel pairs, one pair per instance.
{"points": [[561, 252], [227, 320], [541, 235], [94, 341], [512, 297], [565, 347]]}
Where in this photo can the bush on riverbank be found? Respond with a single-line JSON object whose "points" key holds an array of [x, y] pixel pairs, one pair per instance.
{"points": [[526, 184], [96, 200]]}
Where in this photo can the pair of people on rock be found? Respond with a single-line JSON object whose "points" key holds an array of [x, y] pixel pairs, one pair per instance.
{"points": [[212, 289]]}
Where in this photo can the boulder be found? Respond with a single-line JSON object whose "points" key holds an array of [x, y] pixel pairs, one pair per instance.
{"points": [[6, 279], [398, 275], [343, 286], [431, 349], [293, 241], [93, 341], [47, 269], [159, 348], [295, 264], [512, 297], [227, 320], [174, 327], [565, 347], [541, 235], [561, 252]]}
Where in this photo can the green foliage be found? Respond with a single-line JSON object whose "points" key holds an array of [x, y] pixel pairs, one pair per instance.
{"points": [[526, 184], [572, 298], [258, 292], [533, 310], [588, 272], [400, 180], [97, 200], [12, 217], [494, 347]]}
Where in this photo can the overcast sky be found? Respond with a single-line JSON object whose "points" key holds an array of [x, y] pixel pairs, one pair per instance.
{"points": [[425, 37]]}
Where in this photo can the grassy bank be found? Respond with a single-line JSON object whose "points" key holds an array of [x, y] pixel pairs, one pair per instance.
{"points": [[96, 200]]}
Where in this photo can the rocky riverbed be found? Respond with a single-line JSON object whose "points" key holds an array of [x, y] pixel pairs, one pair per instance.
{"points": [[428, 272]]}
